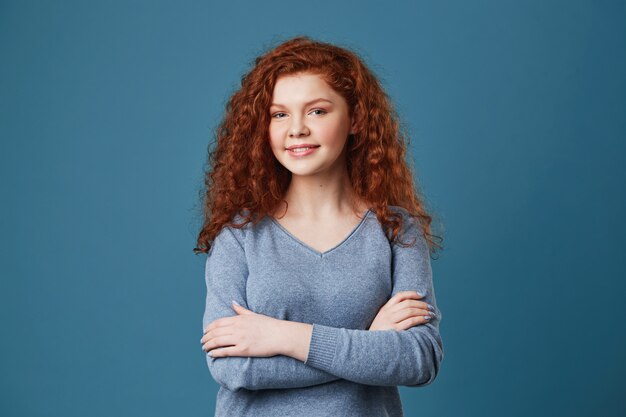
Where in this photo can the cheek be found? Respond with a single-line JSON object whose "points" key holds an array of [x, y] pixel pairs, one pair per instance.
{"points": [[333, 135], [273, 137], [276, 143]]}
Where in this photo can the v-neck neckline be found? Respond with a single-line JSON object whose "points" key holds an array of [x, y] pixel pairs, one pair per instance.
{"points": [[315, 251]]}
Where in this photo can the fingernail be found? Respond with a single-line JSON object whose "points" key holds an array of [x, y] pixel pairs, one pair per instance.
{"points": [[236, 303], [427, 317], [431, 308]]}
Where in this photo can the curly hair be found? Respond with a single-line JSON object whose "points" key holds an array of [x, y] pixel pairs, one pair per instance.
{"points": [[252, 183]]}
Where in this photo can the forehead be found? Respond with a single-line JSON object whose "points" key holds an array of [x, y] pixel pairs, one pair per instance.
{"points": [[295, 88]]}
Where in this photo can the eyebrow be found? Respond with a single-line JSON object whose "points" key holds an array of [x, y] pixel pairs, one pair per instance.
{"points": [[308, 102]]}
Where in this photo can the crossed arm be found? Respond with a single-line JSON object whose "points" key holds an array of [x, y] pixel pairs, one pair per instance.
{"points": [[411, 357], [226, 259]]}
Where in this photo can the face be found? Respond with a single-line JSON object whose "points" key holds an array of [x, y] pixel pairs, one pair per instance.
{"points": [[305, 111]]}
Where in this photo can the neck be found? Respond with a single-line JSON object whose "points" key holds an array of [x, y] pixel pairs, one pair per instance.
{"points": [[321, 196]]}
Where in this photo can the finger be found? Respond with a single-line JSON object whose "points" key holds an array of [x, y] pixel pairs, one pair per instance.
{"points": [[409, 312], [218, 331], [399, 297], [213, 325], [420, 304], [222, 352], [241, 309], [410, 304], [238, 309], [216, 342], [406, 295], [221, 322], [411, 322]]}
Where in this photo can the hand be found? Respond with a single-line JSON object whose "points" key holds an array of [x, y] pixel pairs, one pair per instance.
{"points": [[246, 334], [402, 312]]}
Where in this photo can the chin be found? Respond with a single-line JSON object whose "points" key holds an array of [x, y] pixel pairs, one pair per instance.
{"points": [[302, 172]]}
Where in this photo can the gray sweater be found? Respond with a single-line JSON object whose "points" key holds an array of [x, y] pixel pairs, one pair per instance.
{"points": [[349, 371]]}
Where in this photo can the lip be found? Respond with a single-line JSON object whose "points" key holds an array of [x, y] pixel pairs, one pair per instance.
{"points": [[302, 145], [299, 154]]}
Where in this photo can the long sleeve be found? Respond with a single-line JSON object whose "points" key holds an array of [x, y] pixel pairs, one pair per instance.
{"points": [[409, 357], [225, 275]]}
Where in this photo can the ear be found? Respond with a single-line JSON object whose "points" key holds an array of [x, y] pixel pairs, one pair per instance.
{"points": [[353, 123]]}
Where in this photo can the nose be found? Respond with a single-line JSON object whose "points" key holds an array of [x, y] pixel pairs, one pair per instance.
{"points": [[298, 128]]}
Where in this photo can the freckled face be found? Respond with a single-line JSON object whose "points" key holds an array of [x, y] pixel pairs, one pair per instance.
{"points": [[306, 110]]}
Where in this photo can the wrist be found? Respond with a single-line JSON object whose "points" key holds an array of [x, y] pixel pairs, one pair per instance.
{"points": [[296, 339]]}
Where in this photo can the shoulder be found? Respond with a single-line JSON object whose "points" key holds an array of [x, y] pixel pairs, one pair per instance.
{"points": [[408, 220], [412, 229], [240, 227], [399, 210], [228, 234]]}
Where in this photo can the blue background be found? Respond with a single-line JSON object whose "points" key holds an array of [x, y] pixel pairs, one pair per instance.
{"points": [[517, 116]]}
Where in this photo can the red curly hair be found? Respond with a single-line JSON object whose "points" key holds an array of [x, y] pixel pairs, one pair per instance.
{"points": [[252, 183]]}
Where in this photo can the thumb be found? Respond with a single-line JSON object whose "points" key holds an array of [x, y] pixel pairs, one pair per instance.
{"points": [[239, 308]]}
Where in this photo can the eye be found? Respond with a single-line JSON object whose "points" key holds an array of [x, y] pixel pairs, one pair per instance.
{"points": [[274, 115], [322, 110]]}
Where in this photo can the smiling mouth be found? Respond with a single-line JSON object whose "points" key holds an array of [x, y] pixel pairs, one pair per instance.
{"points": [[302, 149]]}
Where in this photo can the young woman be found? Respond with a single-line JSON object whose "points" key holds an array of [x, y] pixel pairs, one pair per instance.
{"points": [[320, 298]]}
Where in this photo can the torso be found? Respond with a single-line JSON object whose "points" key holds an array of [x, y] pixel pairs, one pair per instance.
{"points": [[342, 288]]}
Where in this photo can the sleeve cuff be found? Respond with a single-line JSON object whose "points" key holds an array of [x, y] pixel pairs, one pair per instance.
{"points": [[323, 346]]}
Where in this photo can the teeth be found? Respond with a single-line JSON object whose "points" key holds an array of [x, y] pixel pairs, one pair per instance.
{"points": [[299, 149]]}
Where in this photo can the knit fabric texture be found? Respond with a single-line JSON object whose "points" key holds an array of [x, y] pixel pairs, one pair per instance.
{"points": [[349, 371]]}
